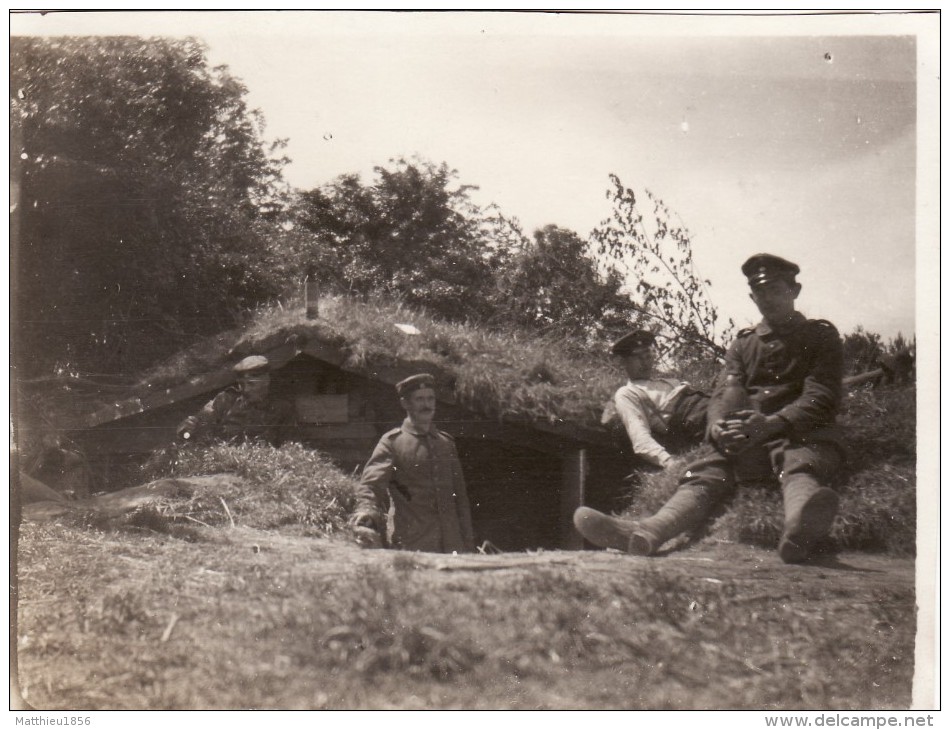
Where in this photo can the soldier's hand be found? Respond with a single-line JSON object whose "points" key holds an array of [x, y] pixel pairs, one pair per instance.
{"points": [[186, 431], [727, 436], [758, 428], [735, 418], [365, 519]]}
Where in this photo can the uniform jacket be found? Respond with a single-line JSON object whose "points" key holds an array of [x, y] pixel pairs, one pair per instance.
{"points": [[232, 417], [645, 408], [420, 475], [793, 372]]}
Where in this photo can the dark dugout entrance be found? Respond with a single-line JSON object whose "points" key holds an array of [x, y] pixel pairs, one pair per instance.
{"points": [[515, 494], [523, 498]]}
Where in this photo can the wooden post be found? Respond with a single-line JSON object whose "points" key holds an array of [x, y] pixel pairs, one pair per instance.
{"points": [[573, 480], [312, 296]]}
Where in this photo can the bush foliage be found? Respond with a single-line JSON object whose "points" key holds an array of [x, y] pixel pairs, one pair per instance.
{"points": [[143, 189], [287, 488]]}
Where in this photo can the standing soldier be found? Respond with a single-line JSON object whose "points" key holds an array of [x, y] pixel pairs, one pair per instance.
{"points": [[416, 469], [243, 412], [790, 368]]}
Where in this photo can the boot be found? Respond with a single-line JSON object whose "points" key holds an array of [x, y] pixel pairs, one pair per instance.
{"points": [[683, 510], [810, 510], [603, 530]]}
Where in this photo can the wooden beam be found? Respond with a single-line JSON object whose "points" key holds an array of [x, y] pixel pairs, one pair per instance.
{"points": [[862, 378], [130, 440], [573, 482], [215, 380]]}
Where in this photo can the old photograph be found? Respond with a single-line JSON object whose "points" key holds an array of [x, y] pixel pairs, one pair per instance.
{"points": [[535, 360]]}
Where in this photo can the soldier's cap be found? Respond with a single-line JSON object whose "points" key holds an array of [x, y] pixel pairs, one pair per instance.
{"points": [[633, 341], [764, 268], [251, 366], [413, 383]]}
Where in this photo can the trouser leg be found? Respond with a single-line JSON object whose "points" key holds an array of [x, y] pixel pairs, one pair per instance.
{"points": [[686, 509], [809, 504], [705, 482], [687, 424]]}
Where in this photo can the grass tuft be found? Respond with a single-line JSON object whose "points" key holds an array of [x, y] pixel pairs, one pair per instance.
{"points": [[289, 487], [374, 625]]}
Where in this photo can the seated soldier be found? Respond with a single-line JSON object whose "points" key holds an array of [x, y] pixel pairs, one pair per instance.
{"points": [[243, 412], [415, 469], [772, 419], [652, 408]]}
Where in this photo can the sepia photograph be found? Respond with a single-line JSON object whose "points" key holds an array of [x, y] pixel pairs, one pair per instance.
{"points": [[474, 360]]}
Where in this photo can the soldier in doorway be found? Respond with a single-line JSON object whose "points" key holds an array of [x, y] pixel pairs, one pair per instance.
{"points": [[415, 470], [243, 412]]}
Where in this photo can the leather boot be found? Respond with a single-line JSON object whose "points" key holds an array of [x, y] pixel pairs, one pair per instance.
{"points": [[810, 510], [644, 537]]}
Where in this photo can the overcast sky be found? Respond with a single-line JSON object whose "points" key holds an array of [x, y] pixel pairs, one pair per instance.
{"points": [[794, 135]]}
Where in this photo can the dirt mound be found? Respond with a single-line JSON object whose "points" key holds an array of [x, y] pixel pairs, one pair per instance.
{"points": [[124, 501]]}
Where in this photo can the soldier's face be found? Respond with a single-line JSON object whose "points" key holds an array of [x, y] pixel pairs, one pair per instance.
{"points": [[255, 389], [420, 405], [639, 364], [775, 299]]}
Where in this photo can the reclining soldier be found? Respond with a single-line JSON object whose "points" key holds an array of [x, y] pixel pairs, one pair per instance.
{"points": [[656, 413], [789, 368], [243, 412]]}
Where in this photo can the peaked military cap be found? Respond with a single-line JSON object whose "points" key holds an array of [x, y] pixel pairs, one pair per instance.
{"points": [[633, 341], [253, 365], [414, 382], [764, 267]]}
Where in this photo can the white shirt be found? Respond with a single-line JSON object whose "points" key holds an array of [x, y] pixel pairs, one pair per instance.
{"points": [[644, 407]]}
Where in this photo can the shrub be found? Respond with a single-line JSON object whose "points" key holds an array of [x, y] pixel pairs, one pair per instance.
{"points": [[287, 487]]}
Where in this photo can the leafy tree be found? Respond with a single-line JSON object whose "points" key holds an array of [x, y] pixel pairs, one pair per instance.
{"points": [[861, 350], [655, 256], [412, 232], [415, 233], [864, 350], [902, 344], [144, 194], [552, 284]]}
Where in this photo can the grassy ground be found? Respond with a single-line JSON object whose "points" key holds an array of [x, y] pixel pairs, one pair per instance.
{"points": [[244, 618], [292, 486]]}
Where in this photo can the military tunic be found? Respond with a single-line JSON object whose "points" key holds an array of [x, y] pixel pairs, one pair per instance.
{"points": [[232, 417], [793, 372], [419, 475]]}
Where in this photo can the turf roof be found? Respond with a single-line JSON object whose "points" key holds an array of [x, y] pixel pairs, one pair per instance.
{"points": [[502, 374]]}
